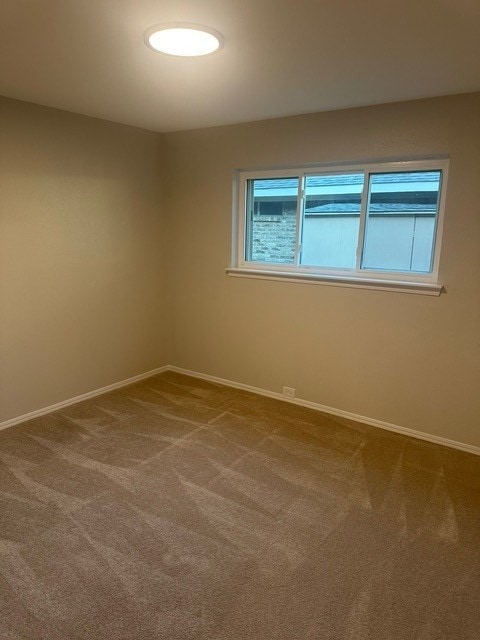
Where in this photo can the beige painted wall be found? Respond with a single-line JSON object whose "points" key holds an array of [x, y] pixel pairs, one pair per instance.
{"points": [[82, 301], [402, 358], [95, 289]]}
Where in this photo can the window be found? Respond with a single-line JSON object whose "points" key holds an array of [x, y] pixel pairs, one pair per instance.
{"points": [[372, 225]]}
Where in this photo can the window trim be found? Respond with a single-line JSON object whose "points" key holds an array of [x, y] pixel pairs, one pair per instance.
{"points": [[365, 278]]}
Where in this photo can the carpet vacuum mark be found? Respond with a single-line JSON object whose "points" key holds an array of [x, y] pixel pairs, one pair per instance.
{"points": [[178, 509]]}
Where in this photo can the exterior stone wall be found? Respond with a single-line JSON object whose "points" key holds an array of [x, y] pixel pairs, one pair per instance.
{"points": [[273, 238]]}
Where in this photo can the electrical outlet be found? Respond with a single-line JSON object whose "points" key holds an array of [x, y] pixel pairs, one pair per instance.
{"points": [[289, 392]]}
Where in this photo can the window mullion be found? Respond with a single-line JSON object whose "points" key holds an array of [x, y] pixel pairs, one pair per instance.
{"points": [[363, 218], [248, 219], [299, 224]]}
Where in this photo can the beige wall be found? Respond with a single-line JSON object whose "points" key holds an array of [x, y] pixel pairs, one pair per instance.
{"points": [[94, 288], [82, 302], [406, 359]]}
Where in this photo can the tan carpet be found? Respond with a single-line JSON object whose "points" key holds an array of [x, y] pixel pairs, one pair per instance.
{"points": [[177, 509]]}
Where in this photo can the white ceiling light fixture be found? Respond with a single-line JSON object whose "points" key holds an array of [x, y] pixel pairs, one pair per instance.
{"points": [[184, 40]]}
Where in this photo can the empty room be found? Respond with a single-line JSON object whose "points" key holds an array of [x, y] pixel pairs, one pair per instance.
{"points": [[239, 320]]}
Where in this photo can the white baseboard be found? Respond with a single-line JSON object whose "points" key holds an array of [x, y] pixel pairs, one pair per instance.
{"points": [[83, 396], [453, 444]]}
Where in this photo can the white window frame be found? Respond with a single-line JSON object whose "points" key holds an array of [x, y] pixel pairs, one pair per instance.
{"points": [[426, 283]]}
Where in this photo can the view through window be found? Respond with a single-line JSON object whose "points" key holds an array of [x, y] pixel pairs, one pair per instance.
{"points": [[380, 219]]}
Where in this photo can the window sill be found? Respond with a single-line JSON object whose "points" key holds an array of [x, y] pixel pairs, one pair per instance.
{"points": [[422, 288]]}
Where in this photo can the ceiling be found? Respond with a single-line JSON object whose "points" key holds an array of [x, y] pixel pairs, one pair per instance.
{"points": [[281, 57]]}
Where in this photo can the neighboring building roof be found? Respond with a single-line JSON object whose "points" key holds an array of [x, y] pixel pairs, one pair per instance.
{"points": [[353, 208], [349, 179], [350, 183]]}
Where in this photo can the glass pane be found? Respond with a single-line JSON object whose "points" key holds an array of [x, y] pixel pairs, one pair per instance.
{"points": [[271, 220], [401, 221], [331, 220]]}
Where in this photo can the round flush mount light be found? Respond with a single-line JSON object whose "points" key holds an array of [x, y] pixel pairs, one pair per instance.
{"points": [[185, 40]]}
